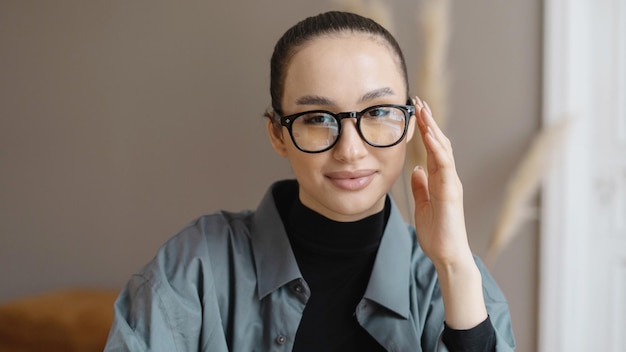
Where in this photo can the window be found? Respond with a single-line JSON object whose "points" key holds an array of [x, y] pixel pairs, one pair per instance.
{"points": [[583, 232]]}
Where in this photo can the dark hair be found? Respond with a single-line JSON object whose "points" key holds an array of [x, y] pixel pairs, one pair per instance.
{"points": [[312, 27]]}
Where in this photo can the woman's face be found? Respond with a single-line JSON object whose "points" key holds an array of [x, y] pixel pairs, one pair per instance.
{"points": [[339, 73]]}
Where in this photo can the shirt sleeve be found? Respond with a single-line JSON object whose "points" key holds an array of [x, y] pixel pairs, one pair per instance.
{"points": [[498, 310], [140, 321], [499, 318], [170, 304], [481, 338]]}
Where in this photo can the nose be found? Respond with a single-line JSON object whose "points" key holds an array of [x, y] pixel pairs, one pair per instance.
{"points": [[350, 147]]}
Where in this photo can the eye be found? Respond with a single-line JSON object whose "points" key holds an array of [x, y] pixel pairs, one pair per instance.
{"points": [[318, 119], [377, 113]]}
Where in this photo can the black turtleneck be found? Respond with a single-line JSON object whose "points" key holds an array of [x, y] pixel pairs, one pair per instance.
{"points": [[335, 259]]}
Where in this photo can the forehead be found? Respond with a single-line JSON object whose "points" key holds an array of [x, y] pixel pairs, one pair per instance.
{"points": [[343, 66]]}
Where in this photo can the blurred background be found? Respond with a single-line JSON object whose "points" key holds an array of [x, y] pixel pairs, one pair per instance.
{"points": [[122, 121]]}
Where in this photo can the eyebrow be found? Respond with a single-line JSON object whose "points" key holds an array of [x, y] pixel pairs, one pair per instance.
{"points": [[320, 100], [376, 93], [314, 100]]}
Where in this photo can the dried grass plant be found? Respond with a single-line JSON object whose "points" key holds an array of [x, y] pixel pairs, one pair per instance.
{"points": [[432, 81], [519, 204]]}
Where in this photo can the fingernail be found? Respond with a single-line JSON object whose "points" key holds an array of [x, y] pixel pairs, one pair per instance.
{"points": [[417, 167]]}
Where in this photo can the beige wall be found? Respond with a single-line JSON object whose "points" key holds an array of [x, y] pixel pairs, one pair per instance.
{"points": [[121, 121], [496, 57]]}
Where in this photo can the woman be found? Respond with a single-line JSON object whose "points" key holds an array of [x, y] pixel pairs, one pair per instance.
{"points": [[326, 262]]}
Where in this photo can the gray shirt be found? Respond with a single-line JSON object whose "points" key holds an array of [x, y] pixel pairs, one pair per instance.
{"points": [[230, 282]]}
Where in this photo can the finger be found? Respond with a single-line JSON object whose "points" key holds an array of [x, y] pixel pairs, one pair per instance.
{"points": [[428, 107], [419, 187], [435, 142], [437, 132], [419, 104], [429, 136], [424, 115], [439, 155]]}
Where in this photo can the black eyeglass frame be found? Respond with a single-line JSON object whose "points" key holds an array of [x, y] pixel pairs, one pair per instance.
{"points": [[287, 121]]}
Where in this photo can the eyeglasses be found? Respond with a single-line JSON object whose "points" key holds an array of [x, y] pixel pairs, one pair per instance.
{"points": [[380, 126]]}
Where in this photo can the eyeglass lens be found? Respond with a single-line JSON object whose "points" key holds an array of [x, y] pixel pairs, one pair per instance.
{"points": [[379, 126]]}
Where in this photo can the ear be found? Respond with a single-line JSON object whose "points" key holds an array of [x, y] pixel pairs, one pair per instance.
{"points": [[411, 129], [275, 132]]}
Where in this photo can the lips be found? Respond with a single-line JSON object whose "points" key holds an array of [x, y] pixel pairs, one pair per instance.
{"points": [[351, 180]]}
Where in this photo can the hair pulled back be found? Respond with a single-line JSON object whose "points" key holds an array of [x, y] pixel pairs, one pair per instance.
{"points": [[333, 22]]}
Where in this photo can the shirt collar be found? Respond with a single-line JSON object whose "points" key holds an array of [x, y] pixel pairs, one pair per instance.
{"points": [[275, 262], [389, 281]]}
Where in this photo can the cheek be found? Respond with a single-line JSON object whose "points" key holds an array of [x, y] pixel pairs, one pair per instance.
{"points": [[303, 164], [393, 158]]}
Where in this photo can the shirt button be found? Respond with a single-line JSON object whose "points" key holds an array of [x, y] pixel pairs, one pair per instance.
{"points": [[281, 340]]}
